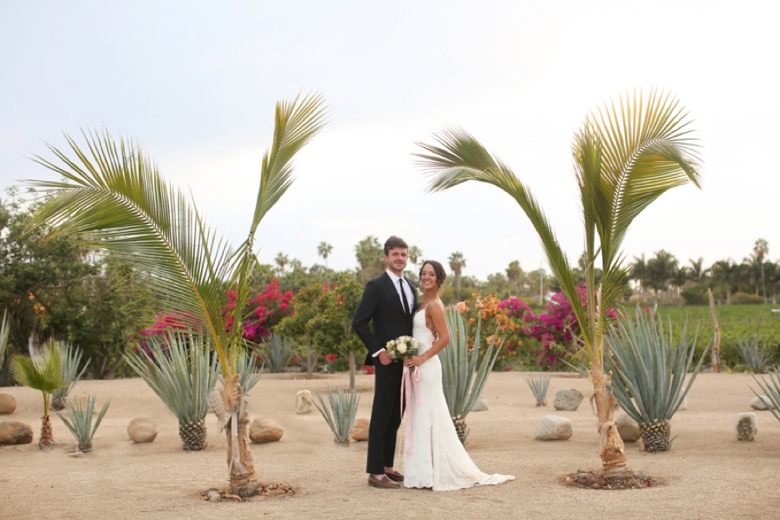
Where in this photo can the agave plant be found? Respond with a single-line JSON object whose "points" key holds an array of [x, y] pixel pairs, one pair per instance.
{"points": [[79, 421], [277, 352], [750, 349], [626, 155], [182, 376], [115, 200], [341, 414], [649, 374], [539, 385], [464, 372], [249, 372], [41, 372], [70, 359], [771, 390]]}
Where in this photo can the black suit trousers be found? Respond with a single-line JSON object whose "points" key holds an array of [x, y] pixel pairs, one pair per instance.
{"points": [[386, 415]]}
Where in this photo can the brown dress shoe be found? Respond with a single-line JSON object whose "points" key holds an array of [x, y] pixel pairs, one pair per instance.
{"points": [[395, 476], [382, 483]]}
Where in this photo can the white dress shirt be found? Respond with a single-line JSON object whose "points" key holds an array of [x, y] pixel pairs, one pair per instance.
{"points": [[407, 289]]}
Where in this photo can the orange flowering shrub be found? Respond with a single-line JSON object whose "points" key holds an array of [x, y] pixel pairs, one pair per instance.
{"points": [[495, 322]]}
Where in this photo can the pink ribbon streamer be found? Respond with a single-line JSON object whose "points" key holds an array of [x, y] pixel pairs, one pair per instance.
{"points": [[409, 382]]}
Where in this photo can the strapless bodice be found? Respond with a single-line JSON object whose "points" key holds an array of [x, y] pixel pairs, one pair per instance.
{"points": [[421, 332]]}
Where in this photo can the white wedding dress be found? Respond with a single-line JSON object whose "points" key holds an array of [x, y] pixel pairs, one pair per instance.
{"points": [[433, 455]]}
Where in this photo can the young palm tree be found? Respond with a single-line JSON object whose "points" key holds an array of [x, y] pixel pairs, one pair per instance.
{"points": [[5, 330], [114, 198], [41, 372], [626, 156]]}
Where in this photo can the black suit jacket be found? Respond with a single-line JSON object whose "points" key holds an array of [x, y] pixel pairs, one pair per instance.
{"points": [[382, 305]]}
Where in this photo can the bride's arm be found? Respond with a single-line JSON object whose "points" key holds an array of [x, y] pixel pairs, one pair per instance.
{"points": [[436, 312]]}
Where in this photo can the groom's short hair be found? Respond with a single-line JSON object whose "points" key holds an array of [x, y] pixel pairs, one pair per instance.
{"points": [[395, 242]]}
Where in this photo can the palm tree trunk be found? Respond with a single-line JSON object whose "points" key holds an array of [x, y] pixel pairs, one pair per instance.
{"points": [[611, 449], [241, 466], [46, 442]]}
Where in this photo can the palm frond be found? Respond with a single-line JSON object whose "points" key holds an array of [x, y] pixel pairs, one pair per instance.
{"points": [[458, 157], [39, 372], [113, 197], [182, 374]]}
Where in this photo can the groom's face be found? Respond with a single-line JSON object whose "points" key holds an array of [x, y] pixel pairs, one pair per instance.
{"points": [[396, 259]]}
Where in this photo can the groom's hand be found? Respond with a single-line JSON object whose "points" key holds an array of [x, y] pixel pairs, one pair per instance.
{"points": [[384, 358]]}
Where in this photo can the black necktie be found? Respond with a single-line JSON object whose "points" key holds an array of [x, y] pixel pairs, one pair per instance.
{"points": [[403, 296]]}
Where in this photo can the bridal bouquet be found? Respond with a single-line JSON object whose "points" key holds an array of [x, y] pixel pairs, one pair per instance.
{"points": [[402, 348]]}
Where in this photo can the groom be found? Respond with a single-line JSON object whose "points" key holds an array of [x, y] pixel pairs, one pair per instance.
{"points": [[389, 301]]}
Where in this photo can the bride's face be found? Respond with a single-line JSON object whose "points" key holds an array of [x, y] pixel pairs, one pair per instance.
{"points": [[428, 277]]}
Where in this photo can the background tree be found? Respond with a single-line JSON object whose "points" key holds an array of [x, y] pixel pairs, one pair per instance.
{"points": [[637, 271], [308, 304], [696, 271], [457, 263], [761, 249], [725, 273], [324, 250], [626, 156], [332, 326], [415, 254], [281, 261], [369, 254], [514, 274], [660, 270]]}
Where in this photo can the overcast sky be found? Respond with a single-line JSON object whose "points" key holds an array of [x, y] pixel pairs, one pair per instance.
{"points": [[196, 82]]}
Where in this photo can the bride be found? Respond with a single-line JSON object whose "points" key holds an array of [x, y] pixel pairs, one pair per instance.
{"points": [[434, 456]]}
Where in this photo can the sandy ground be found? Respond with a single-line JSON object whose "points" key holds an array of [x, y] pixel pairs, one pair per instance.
{"points": [[707, 474]]}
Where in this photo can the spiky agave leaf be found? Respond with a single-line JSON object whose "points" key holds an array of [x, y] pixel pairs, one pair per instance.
{"points": [[182, 375], [79, 420], [341, 414], [248, 371], [771, 389], [70, 358], [464, 372], [650, 368]]}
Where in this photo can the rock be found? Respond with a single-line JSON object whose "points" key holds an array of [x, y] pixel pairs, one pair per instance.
{"points": [[265, 430], [142, 429], [7, 404], [303, 402], [627, 428], [15, 432], [567, 399], [76, 454], [553, 427], [359, 430], [746, 426], [761, 403], [480, 406]]}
